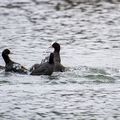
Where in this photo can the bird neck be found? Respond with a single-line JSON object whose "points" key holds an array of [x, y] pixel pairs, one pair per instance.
{"points": [[6, 59], [57, 50], [51, 61], [57, 57]]}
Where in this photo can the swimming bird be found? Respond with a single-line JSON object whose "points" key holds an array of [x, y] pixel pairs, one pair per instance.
{"points": [[58, 67], [44, 68], [11, 66]]}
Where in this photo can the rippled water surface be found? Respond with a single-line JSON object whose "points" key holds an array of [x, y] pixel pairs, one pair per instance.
{"points": [[89, 35]]}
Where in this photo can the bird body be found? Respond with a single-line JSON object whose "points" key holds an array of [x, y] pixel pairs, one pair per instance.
{"points": [[44, 68]]}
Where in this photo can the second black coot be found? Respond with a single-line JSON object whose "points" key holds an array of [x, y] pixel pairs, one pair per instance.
{"points": [[46, 68], [58, 67]]}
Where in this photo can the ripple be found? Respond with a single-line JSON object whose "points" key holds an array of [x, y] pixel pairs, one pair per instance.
{"points": [[4, 82], [84, 74]]}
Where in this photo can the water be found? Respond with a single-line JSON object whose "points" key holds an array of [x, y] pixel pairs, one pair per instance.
{"points": [[89, 38]]}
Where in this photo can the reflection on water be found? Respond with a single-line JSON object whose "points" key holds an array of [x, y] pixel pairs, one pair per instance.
{"points": [[89, 38]]}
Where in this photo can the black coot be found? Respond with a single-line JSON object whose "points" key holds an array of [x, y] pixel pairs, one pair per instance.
{"points": [[11, 66], [45, 68], [58, 67]]}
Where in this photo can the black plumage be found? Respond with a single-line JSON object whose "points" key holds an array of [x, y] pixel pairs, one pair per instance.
{"points": [[11, 66], [44, 68], [58, 67]]}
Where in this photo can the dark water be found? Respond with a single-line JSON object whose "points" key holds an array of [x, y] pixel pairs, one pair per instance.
{"points": [[90, 41]]}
